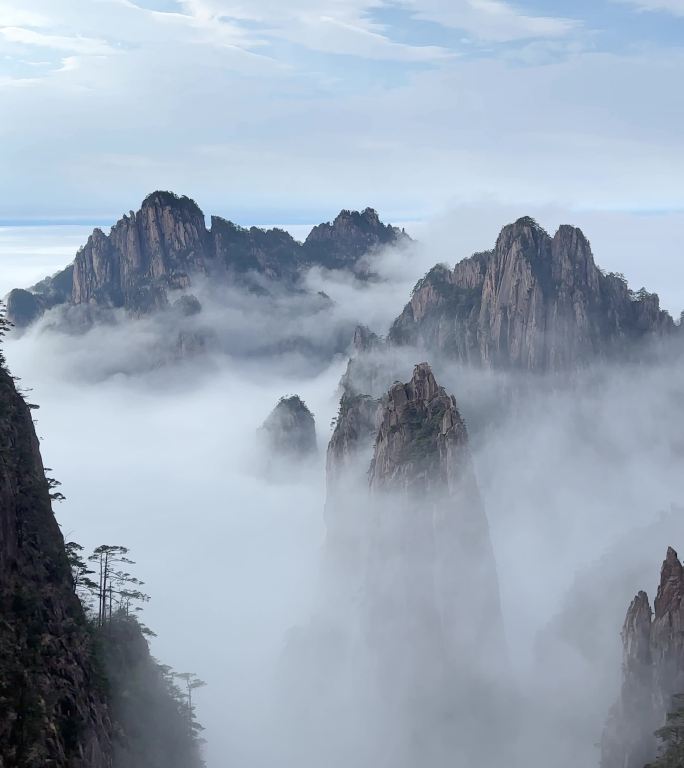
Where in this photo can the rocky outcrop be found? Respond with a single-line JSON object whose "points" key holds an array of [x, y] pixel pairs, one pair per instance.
{"points": [[144, 254], [289, 432], [366, 372], [430, 556], [403, 662], [628, 740], [23, 307], [430, 520], [535, 302], [52, 698], [166, 246], [342, 243], [653, 671]]}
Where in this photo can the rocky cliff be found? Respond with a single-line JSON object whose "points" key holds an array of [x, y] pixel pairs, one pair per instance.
{"points": [[165, 246], [430, 556], [53, 709], [535, 302], [74, 693], [653, 671], [429, 518]]}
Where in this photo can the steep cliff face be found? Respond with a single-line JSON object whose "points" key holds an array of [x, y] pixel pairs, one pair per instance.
{"points": [[430, 556], [667, 633], [535, 302], [403, 662], [628, 739], [430, 520], [347, 459], [165, 246], [52, 701], [146, 252], [653, 671]]}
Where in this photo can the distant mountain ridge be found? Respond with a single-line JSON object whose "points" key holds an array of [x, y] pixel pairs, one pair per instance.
{"points": [[165, 244], [534, 302]]}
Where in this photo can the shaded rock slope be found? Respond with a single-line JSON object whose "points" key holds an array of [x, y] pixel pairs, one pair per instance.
{"points": [[153, 726], [653, 671], [53, 709], [72, 695], [535, 302], [165, 246]]}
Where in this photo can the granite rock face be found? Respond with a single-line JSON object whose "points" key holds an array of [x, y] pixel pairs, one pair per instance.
{"points": [[52, 702], [653, 671], [144, 253], [535, 302], [431, 528], [166, 246], [407, 536], [289, 432]]}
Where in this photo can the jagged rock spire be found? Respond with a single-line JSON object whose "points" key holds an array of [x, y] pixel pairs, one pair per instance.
{"points": [[653, 671], [430, 554], [669, 596], [420, 435]]}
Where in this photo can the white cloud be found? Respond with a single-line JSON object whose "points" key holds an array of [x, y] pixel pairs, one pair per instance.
{"points": [[76, 44], [493, 20], [13, 15], [329, 26], [670, 6], [222, 101]]}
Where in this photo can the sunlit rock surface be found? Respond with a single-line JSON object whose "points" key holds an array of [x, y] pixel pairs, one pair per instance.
{"points": [[535, 302], [165, 246]]}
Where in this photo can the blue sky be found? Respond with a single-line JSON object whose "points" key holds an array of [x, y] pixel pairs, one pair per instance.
{"points": [[267, 110]]}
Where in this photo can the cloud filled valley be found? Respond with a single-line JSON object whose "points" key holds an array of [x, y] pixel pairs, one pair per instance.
{"points": [[286, 483], [158, 450]]}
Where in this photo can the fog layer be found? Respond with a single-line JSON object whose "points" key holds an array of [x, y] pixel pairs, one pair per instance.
{"points": [[164, 459]]}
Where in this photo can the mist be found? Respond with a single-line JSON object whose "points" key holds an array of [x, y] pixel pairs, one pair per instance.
{"points": [[160, 454]]}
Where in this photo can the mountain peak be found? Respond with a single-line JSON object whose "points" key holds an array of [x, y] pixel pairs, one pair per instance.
{"points": [[167, 199], [528, 222], [165, 245], [671, 588], [420, 435], [290, 429], [652, 671], [534, 302], [341, 243]]}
